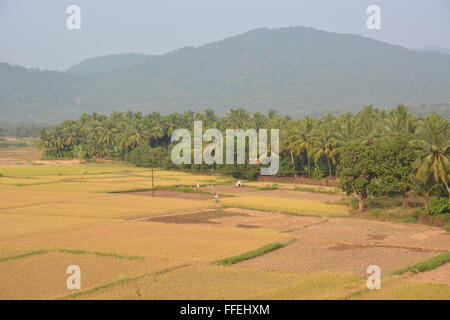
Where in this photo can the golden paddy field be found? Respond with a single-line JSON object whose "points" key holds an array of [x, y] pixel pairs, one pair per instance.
{"points": [[133, 246]]}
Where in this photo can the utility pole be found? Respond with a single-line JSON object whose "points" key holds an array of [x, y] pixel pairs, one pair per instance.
{"points": [[153, 185]]}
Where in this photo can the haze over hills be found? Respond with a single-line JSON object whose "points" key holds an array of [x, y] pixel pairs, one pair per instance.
{"points": [[107, 63], [296, 71], [434, 49]]}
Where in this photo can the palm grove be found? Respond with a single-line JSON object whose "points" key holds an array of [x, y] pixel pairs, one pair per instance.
{"points": [[370, 153]]}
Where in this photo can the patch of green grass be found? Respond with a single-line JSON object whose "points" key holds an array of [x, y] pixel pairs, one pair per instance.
{"points": [[132, 190], [269, 187], [316, 190], [426, 265], [393, 215], [100, 254], [251, 254], [12, 144], [28, 254], [446, 228], [188, 189], [407, 219]]}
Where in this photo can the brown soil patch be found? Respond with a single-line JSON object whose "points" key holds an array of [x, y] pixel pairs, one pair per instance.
{"points": [[57, 162], [196, 218], [317, 257], [13, 155], [287, 194], [343, 246], [376, 236], [240, 225], [351, 245], [359, 231], [269, 220], [439, 275], [175, 194]]}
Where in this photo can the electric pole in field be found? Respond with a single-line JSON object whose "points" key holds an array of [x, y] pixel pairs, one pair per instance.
{"points": [[153, 185]]}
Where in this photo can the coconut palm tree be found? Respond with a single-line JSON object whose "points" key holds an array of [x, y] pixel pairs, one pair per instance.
{"points": [[325, 145], [433, 141], [400, 121], [302, 140], [368, 124]]}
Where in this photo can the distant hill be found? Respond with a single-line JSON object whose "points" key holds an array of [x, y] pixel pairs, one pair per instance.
{"points": [[434, 49], [440, 108], [107, 63], [296, 71]]}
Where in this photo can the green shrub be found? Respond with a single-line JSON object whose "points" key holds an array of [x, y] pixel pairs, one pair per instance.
{"points": [[269, 187], [146, 156], [244, 171], [439, 206]]}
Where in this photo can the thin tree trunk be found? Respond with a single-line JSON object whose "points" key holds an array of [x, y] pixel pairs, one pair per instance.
{"points": [[293, 163], [405, 200], [426, 200], [330, 174], [309, 163], [361, 203]]}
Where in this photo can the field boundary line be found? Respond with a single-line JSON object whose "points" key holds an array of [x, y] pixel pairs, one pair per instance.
{"points": [[70, 251], [306, 226], [426, 265], [389, 246], [24, 255], [253, 253], [288, 213], [123, 281]]}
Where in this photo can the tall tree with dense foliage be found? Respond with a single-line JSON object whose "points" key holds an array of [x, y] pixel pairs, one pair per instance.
{"points": [[433, 140]]}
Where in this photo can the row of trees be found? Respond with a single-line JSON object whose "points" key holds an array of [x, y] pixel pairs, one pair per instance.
{"points": [[333, 146]]}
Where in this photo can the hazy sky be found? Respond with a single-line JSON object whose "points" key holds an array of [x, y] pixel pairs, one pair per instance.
{"points": [[34, 33]]}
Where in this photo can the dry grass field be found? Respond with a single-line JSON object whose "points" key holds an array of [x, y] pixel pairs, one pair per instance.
{"points": [[132, 246], [287, 205]]}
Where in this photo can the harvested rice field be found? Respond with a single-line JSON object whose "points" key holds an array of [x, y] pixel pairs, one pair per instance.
{"points": [[292, 242]]}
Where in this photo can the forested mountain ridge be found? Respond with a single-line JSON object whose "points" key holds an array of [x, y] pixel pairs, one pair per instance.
{"points": [[292, 70], [107, 63]]}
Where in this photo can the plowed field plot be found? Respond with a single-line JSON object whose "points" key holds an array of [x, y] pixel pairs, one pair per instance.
{"points": [[241, 218], [368, 232], [350, 245], [439, 275], [11, 155]]}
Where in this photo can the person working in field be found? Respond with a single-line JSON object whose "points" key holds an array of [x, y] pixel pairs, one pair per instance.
{"points": [[215, 193]]}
